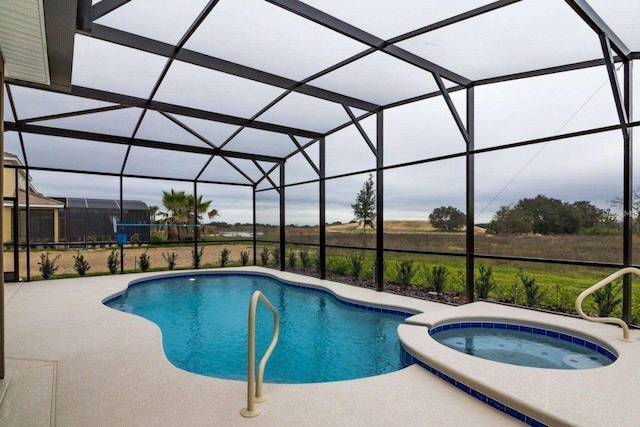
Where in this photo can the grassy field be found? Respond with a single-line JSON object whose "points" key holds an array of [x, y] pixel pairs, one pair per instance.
{"points": [[559, 284]]}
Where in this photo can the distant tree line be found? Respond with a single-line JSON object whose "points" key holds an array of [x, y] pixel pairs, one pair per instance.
{"points": [[545, 215]]}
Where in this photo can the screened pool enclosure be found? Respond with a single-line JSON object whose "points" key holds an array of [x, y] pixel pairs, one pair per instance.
{"points": [[278, 111]]}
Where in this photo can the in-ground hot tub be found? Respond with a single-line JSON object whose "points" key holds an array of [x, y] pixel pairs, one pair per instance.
{"points": [[538, 396], [523, 345]]}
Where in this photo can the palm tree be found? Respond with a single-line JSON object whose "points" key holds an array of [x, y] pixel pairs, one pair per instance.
{"points": [[202, 207], [176, 212], [179, 210], [154, 211]]}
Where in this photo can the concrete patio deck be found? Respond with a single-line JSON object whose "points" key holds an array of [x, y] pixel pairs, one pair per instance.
{"points": [[74, 362]]}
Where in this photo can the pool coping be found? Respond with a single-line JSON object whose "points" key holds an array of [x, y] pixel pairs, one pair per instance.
{"points": [[392, 309], [357, 296], [549, 396]]}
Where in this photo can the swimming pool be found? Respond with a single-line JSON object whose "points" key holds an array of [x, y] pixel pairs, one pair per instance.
{"points": [[203, 319], [522, 345]]}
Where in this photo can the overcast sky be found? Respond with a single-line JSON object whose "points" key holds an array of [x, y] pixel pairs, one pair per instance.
{"points": [[587, 168]]}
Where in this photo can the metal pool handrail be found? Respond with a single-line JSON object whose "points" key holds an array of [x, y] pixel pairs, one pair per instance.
{"points": [[600, 284], [254, 387]]}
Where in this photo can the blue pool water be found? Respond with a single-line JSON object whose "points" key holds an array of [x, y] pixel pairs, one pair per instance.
{"points": [[204, 328], [522, 345]]}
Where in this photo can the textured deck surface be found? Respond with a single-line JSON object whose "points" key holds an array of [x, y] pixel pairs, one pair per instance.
{"points": [[74, 362]]}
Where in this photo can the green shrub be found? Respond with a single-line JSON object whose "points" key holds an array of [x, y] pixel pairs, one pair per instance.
{"points": [[563, 299], [484, 282], [170, 258], [275, 254], [458, 284], [508, 292], [80, 265], [292, 258], [607, 299], [338, 265], [47, 266], [196, 257], [437, 277], [384, 266], [244, 258], [305, 258], [405, 271], [531, 290], [356, 262], [224, 257], [264, 256], [144, 262], [635, 315], [112, 261], [157, 238]]}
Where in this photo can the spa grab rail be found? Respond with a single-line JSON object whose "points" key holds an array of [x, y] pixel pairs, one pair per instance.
{"points": [[600, 284], [254, 386]]}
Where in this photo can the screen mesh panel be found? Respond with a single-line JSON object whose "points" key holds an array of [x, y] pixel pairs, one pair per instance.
{"points": [[113, 68], [543, 106], [393, 79], [115, 122], [493, 44], [221, 171], [379, 19], [156, 127], [259, 35], [421, 130], [151, 162], [33, 103], [581, 168], [171, 19], [73, 154], [306, 112], [261, 142], [215, 91]]}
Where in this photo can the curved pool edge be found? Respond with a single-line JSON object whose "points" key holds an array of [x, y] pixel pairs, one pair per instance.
{"points": [[345, 293], [549, 396]]}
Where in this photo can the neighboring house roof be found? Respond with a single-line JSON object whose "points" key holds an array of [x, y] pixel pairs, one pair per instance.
{"points": [[35, 201], [11, 159], [82, 203]]}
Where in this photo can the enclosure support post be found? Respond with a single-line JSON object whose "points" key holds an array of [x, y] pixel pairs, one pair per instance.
{"points": [[282, 218], [196, 231], [628, 196], [28, 225], [623, 104], [470, 236], [15, 236], [255, 245], [379, 201], [323, 218], [2, 367], [122, 221]]}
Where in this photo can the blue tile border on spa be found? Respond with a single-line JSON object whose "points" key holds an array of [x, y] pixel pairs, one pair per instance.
{"points": [[409, 359], [531, 329]]}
